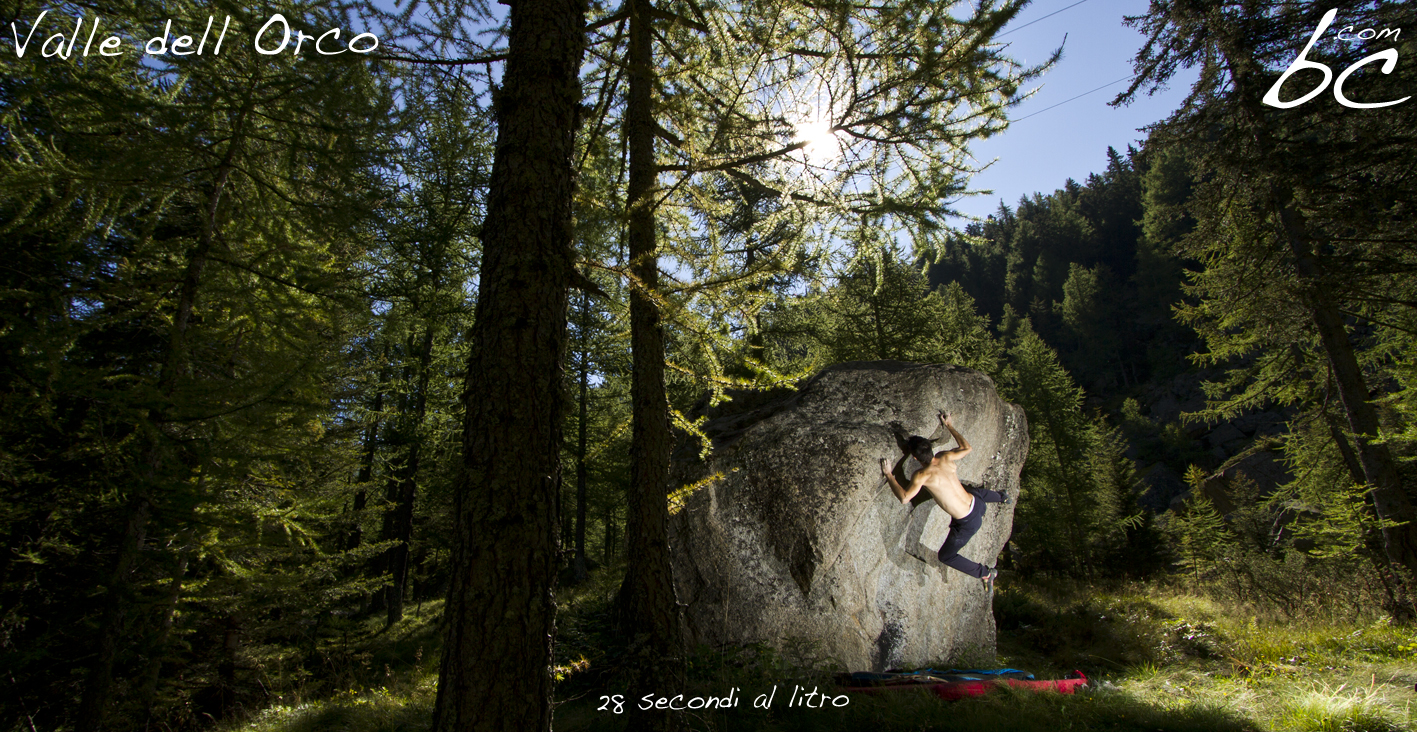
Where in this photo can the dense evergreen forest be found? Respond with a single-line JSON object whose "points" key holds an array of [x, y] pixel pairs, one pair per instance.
{"points": [[292, 347]]}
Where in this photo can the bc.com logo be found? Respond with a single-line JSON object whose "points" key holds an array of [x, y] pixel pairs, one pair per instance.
{"points": [[1388, 57]]}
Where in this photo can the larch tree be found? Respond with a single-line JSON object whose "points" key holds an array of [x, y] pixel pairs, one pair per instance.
{"points": [[598, 357], [848, 117], [420, 276], [500, 612], [181, 234]]}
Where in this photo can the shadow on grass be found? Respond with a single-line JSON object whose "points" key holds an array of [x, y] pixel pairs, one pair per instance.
{"points": [[1052, 630]]}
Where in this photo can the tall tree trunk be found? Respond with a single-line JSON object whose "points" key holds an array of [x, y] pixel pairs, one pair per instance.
{"points": [[117, 592], [609, 538], [401, 531], [153, 672], [366, 465], [648, 609], [495, 672], [406, 485], [1374, 549], [99, 684], [581, 478], [1390, 499], [398, 438], [1350, 458]]}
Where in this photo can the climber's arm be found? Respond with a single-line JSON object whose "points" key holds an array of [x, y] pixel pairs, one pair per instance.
{"points": [[963, 448], [901, 493]]}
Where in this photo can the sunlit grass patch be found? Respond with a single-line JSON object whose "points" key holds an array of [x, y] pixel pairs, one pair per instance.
{"points": [[1343, 710], [376, 710], [1104, 707], [1166, 645], [372, 679], [1158, 658]]}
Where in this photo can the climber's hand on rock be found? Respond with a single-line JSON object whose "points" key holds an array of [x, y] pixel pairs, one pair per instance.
{"points": [[885, 467]]}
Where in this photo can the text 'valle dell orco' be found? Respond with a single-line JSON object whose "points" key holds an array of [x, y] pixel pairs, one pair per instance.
{"points": [[276, 36]]}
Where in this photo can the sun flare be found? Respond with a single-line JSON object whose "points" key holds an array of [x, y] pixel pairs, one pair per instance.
{"points": [[822, 145]]}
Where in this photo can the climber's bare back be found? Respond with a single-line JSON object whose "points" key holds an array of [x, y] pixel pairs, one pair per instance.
{"points": [[940, 477]]}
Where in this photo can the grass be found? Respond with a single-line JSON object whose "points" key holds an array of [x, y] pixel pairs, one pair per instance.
{"points": [[376, 710], [1163, 646], [375, 680], [1161, 660], [1104, 708]]}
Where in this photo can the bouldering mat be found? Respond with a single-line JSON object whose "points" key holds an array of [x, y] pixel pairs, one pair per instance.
{"points": [[956, 683]]}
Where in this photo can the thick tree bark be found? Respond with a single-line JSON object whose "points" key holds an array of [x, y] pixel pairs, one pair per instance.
{"points": [[500, 614], [648, 609]]}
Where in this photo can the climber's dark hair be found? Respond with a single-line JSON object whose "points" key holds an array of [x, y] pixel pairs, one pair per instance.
{"points": [[922, 449]]}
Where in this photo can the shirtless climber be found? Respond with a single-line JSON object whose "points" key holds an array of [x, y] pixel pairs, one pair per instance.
{"points": [[964, 505]]}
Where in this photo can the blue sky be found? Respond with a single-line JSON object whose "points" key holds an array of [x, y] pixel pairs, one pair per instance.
{"points": [[1070, 140], [1048, 144]]}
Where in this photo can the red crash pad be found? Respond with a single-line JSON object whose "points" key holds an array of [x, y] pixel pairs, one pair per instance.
{"points": [[951, 690]]}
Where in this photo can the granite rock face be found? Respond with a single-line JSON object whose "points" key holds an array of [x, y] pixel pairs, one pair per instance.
{"points": [[801, 544]]}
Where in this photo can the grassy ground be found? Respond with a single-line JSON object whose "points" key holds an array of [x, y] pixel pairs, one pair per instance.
{"points": [[1161, 659], [1169, 649], [375, 680]]}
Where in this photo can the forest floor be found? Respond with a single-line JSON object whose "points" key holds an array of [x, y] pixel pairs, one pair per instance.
{"points": [[1160, 659]]}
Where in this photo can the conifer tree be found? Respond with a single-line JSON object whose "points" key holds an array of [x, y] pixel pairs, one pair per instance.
{"points": [[179, 294], [883, 309], [1166, 187], [500, 613], [1301, 221], [1077, 486], [421, 274], [1201, 536], [1088, 315]]}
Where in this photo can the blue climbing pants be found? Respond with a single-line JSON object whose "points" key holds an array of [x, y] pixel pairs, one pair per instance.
{"points": [[962, 530]]}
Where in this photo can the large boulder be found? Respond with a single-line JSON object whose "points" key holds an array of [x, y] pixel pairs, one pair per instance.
{"points": [[800, 543]]}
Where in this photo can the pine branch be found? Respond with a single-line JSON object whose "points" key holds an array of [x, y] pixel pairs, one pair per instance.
{"points": [[445, 62], [615, 18]]}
